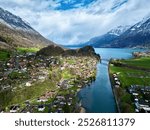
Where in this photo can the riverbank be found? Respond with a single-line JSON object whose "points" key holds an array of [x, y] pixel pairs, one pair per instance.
{"points": [[113, 89]]}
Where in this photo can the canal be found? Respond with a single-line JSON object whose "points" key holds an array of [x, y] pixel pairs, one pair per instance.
{"points": [[98, 97]]}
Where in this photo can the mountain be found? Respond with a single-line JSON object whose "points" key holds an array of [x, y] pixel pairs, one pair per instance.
{"points": [[136, 36], [103, 40], [14, 32]]}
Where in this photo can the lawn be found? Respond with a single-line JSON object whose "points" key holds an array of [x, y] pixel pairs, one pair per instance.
{"points": [[143, 62], [129, 76]]}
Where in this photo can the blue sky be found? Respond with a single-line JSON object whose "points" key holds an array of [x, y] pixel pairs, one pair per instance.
{"points": [[76, 21], [72, 4]]}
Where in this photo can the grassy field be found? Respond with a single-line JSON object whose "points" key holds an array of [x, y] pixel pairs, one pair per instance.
{"points": [[143, 62], [27, 93], [25, 50], [4, 55], [130, 76]]}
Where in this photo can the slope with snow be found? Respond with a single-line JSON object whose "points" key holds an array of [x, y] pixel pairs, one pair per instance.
{"points": [[136, 36], [104, 40], [18, 33], [14, 22]]}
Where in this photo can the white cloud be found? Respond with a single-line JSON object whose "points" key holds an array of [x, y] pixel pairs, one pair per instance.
{"points": [[77, 25], [68, 1]]}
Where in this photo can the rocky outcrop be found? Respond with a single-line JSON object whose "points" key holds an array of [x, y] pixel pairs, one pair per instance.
{"points": [[54, 50], [51, 50]]}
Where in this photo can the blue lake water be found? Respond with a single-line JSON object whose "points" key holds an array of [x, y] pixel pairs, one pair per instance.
{"points": [[98, 97]]}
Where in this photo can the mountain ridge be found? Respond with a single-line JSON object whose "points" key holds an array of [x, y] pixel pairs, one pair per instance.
{"points": [[137, 35], [106, 38], [17, 33]]}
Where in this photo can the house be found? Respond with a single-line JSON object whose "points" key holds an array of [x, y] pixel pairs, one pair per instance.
{"points": [[147, 109], [43, 99], [69, 103], [62, 103], [137, 110], [54, 105], [6, 87], [142, 105], [133, 89], [117, 83], [136, 99], [116, 79], [27, 84], [41, 108], [59, 110], [14, 109], [39, 100], [114, 75], [135, 93], [60, 97], [147, 89]]}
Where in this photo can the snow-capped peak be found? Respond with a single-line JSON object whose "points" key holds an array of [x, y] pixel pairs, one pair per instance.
{"points": [[14, 22], [139, 24], [119, 30], [141, 27]]}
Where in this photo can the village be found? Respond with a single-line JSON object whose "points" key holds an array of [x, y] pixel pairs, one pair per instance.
{"points": [[31, 83], [140, 95]]}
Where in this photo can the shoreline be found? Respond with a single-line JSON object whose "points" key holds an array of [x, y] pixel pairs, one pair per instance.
{"points": [[113, 89], [81, 108]]}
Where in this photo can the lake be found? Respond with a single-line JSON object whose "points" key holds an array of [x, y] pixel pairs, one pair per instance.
{"points": [[98, 97]]}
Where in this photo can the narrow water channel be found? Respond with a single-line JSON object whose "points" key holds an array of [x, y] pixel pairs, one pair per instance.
{"points": [[98, 97]]}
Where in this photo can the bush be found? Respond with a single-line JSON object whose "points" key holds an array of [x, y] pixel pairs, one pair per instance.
{"points": [[17, 75], [4, 55]]}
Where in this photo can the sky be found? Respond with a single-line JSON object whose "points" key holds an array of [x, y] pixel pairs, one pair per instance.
{"points": [[69, 22]]}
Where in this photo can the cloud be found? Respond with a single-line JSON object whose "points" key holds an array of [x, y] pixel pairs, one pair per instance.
{"points": [[79, 24]]}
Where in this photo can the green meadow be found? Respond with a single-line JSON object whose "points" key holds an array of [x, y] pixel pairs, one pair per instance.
{"points": [[129, 76], [4, 55]]}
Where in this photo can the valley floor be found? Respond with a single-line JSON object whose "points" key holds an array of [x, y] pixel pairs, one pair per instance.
{"points": [[30, 83]]}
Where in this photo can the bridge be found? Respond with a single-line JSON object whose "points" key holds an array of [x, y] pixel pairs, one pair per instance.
{"points": [[105, 60]]}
